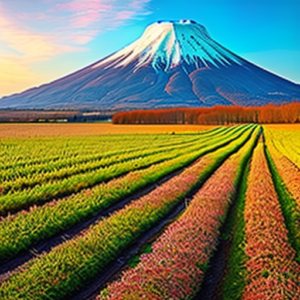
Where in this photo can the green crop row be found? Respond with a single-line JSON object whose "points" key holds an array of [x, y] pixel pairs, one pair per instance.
{"points": [[16, 177], [44, 192], [71, 159], [40, 177], [27, 153], [234, 281]]}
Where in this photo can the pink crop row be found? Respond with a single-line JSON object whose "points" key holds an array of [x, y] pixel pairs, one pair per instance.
{"points": [[272, 272]]}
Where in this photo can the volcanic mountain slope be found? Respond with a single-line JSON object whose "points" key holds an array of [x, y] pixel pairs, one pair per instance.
{"points": [[173, 64]]}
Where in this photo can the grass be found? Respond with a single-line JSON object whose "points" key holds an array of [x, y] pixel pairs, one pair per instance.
{"points": [[133, 262], [234, 281]]}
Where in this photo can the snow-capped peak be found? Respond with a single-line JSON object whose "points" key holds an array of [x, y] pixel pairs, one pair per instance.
{"points": [[166, 44]]}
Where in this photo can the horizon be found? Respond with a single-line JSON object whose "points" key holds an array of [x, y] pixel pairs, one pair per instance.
{"points": [[45, 42]]}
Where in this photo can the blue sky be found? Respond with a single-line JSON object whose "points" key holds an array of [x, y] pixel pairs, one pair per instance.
{"points": [[46, 39]]}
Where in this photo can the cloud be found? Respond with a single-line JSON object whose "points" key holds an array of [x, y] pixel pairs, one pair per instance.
{"points": [[43, 30], [29, 44], [79, 5], [139, 5], [84, 13], [124, 15], [90, 18], [59, 26]]}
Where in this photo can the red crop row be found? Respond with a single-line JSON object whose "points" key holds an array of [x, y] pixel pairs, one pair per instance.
{"points": [[272, 272], [176, 266]]}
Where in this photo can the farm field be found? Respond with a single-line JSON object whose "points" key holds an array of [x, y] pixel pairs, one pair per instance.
{"points": [[96, 211]]}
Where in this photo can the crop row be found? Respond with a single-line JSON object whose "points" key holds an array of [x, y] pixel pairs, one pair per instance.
{"points": [[18, 232], [41, 176], [176, 266], [14, 201], [21, 231], [71, 265], [16, 177], [72, 159], [272, 272], [40, 152], [27, 152], [44, 192]]}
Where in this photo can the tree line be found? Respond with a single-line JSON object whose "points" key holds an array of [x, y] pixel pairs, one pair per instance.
{"points": [[217, 115]]}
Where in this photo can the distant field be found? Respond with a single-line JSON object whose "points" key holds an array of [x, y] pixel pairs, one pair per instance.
{"points": [[284, 126], [101, 211], [24, 130]]}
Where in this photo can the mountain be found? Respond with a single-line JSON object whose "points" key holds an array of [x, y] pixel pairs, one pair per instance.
{"points": [[173, 64]]}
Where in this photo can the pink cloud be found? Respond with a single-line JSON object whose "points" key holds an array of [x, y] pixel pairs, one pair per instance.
{"points": [[124, 15], [86, 19], [29, 44], [139, 4], [91, 14], [54, 27], [79, 6], [62, 25]]}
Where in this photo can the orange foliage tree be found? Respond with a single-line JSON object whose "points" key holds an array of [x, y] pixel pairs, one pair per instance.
{"points": [[217, 115]]}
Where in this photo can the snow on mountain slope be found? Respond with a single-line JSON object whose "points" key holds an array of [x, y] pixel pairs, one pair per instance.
{"points": [[165, 45], [173, 64]]}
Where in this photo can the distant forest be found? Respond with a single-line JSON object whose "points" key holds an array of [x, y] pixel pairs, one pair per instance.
{"points": [[217, 115]]}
